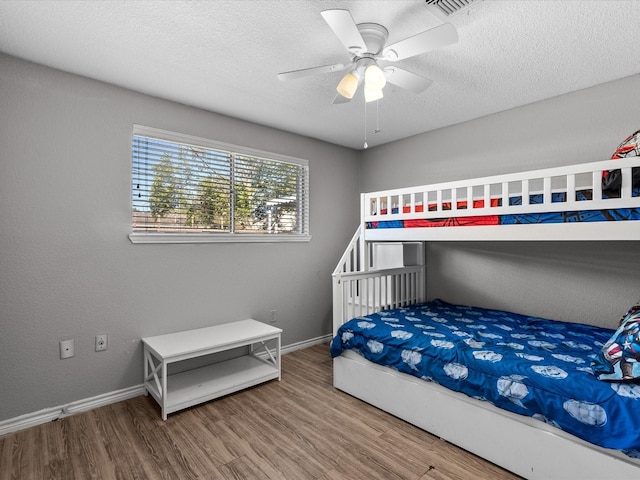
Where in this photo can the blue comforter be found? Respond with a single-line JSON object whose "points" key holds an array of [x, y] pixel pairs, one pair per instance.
{"points": [[530, 366]]}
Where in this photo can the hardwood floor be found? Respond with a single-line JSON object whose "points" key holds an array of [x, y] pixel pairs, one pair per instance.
{"points": [[299, 428]]}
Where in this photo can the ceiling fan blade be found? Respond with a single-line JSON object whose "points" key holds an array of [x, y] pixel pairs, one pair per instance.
{"points": [[342, 24], [437, 37], [407, 80], [305, 72], [340, 99]]}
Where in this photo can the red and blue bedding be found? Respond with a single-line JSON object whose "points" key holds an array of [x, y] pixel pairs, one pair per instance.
{"points": [[603, 215]]}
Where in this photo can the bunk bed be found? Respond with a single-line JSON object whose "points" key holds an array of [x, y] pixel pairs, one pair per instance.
{"points": [[572, 203]]}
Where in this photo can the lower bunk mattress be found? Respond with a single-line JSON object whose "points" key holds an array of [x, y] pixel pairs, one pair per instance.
{"points": [[530, 366]]}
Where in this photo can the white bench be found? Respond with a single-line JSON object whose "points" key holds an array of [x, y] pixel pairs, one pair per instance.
{"points": [[182, 390]]}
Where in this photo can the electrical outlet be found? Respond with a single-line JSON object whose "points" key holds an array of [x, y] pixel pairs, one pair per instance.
{"points": [[67, 349], [101, 342], [274, 316]]}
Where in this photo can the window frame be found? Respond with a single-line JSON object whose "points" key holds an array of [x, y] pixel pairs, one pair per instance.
{"points": [[217, 237]]}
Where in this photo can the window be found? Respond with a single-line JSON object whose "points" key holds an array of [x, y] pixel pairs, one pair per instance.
{"points": [[188, 190]]}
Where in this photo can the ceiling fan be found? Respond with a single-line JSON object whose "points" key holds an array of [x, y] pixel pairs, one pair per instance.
{"points": [[366, 42]]}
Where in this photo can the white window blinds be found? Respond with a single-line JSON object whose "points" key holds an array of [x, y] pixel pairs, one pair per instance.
{"points": [[187, 185]]}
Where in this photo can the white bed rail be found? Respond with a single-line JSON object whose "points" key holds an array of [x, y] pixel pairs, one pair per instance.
{"points": [[358, 289], [490, 195], [361, 293], [352, 259]]}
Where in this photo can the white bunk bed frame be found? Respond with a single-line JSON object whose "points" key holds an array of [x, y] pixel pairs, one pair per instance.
{"points": [[527, 447]]}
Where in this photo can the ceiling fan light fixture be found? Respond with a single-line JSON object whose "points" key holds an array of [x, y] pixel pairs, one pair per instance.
{"points": [[348, 85], [374, 77]]}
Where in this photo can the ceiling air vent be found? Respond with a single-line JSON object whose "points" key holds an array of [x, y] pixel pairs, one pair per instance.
{"points": [[448, 8]]}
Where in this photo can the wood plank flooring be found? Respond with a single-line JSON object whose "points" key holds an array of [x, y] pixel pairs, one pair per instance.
{"points": [[299, 428]]}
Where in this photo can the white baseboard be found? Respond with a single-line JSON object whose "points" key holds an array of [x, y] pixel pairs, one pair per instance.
{"points": [[296, 346], [50, 414], [306, 344]]}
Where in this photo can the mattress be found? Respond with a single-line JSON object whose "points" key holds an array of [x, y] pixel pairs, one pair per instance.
{"points": [[527, 365]]}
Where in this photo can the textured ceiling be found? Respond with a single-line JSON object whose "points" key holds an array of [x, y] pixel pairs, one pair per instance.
{"points": [[224, 55]]}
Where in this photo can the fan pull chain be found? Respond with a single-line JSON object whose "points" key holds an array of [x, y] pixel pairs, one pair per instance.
{"points": [[366, 145], [377, 130]]}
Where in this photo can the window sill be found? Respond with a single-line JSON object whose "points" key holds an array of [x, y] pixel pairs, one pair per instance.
{"points": [[216, 238]]}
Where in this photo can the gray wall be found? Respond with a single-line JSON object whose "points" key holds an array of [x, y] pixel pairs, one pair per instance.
{"points": [[67, 268], [591, 282]]}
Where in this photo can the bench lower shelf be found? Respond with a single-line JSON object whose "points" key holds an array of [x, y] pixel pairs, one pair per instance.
{"points": [[199, 385]]}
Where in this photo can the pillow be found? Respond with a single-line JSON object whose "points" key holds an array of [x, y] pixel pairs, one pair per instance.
{"points": [[630, 147], [619, 358]]}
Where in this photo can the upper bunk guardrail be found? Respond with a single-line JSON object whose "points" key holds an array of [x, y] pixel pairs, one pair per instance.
{"points": [[491, 195]]}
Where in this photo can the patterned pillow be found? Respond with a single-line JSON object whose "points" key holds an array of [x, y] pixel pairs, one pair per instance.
{"points": [[630, 147], [619, 359]]}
